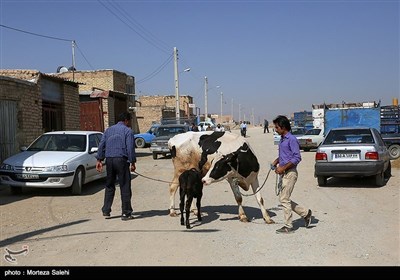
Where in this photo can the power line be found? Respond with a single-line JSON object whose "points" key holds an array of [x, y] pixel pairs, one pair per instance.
{"points": [[130, 27], [35, 34], [155, 72]]}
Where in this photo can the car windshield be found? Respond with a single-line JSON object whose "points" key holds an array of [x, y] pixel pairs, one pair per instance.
{"points": [[314, 131], [59, 142], [297, 131], [348, 136], [169, 131]]}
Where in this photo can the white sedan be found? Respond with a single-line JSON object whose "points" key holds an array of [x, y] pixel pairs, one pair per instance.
{"points": [[58, 159]]}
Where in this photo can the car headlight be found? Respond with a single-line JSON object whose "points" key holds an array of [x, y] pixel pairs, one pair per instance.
{"points": [[56, 168], [6, 167]]}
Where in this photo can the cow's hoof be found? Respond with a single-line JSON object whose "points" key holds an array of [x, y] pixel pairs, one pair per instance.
{"points": [[244, 219], [173, 214], [270, 221]]}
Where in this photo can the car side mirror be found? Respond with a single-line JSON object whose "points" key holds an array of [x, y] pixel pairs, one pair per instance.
{"points": [[93, 150], [23, 148]]}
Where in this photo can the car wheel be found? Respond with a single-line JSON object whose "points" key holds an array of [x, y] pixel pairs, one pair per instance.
{"points": [[78, 181], [140, 143], [321, 180], [154, 155], [394, 151], [16, 190], [388, 172], [379, 179]]}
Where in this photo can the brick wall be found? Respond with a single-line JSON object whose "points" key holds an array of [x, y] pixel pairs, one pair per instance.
{"points": [[71, 108], [27, 96]]}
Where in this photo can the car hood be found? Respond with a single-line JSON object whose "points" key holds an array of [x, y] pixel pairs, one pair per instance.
{"points": [[162, 138], [42, 159]]}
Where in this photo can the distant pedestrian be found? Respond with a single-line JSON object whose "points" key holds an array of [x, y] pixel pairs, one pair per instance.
{"points": [[286, 167], [194, 127], [266, 124], [117, 146], [219, 128], [243, 128]]}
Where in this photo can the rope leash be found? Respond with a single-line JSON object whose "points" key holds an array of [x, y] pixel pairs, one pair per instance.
{"points": [[158, 180]]}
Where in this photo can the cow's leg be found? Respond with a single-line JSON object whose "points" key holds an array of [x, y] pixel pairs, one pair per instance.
{"points": [[172, 190], [187, 209], [181, 204], [255, 185], [194, 208], [238, 197], [198, 204]]}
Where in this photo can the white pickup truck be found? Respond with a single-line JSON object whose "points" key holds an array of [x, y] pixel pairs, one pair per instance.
{"points": [[311, 139]]}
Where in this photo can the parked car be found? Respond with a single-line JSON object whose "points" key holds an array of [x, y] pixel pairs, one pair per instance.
{"points": [[144, 139], [206, 124], [297, 131], [352, 151], [59, 159], [311, 139], [159, 145]]}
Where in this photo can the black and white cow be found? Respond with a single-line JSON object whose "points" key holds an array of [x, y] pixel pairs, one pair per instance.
{"points": [[236, 162]]}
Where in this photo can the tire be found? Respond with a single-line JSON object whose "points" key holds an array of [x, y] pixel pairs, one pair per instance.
{"points": [[78, 181], [16, 190], [379, 179], [140, 143], [394, 151], [321, 180], [154, 155], [388, 172]]}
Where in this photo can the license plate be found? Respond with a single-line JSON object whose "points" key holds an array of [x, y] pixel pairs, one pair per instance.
{"points": [[346, 156], [27, 176]]}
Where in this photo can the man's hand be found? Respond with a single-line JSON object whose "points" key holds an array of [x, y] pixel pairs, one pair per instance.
{"points": [[133, 167], [99, 166]]}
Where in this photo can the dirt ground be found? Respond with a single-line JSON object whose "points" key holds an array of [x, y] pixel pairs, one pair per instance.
{"points": [[354, 222]]}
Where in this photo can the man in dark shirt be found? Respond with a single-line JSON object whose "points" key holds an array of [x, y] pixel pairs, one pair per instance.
{"points": [[117, 146], [286, 167]]}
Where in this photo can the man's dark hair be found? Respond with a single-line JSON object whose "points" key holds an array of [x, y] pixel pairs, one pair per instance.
{"points": [[282, 121], [124, 116]]}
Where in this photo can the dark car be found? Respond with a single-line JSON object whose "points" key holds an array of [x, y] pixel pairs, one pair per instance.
{"points": [[159, 144], [352, 151]]}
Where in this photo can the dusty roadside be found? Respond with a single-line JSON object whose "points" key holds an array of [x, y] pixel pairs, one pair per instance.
{"points": [[354, 223]]}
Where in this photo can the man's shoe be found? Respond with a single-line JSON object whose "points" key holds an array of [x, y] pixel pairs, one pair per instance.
{"points": [[125, 217], [285, 230], [107, 215], [307, 219]]}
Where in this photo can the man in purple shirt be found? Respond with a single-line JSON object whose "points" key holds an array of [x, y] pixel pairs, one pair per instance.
{"points": [[117, 146], [286, 167]]}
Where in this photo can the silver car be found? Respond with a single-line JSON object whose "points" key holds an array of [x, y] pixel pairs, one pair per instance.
{"points": [[352, 151], [59, 159]]}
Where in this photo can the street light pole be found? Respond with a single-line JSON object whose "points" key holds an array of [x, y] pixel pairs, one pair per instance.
{"points": [[177, 110], [205, 98]]}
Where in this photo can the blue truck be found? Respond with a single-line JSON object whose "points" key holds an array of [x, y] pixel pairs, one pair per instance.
{"points": [[385, 119]]}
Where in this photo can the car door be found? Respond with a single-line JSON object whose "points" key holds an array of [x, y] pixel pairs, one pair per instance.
{"points": [[91, 172]]}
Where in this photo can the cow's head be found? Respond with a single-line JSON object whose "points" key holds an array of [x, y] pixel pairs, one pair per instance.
{"points": [[241, 163], [221, 168]]}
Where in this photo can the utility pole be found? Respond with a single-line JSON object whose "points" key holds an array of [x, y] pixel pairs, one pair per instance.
{"points": [[232, 110], [205, 98], [221, 107], [177, 110], [73, 60]]}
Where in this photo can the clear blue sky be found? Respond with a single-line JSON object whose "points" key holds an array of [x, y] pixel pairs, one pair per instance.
{"points": [[273, 57]]}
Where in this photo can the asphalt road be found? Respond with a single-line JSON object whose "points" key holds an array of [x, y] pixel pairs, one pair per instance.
{"points": [[354, 223]]}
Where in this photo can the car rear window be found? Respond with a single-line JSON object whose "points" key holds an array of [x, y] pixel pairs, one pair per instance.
{"points": [[362, 136]]}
